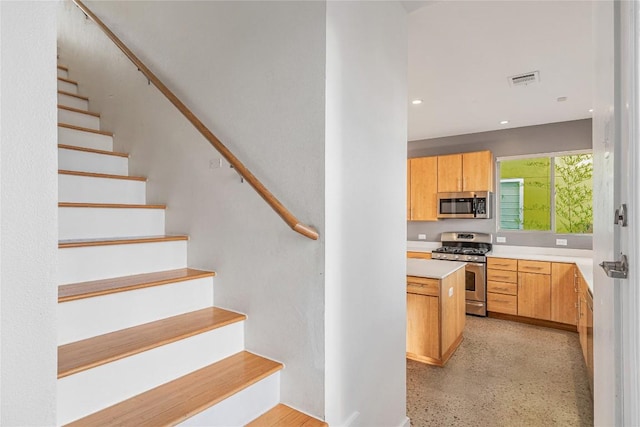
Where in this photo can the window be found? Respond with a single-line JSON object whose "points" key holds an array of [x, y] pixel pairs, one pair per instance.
{"points": [[546, 193]]}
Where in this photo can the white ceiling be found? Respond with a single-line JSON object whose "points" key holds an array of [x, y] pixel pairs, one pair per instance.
{"points": [[461, 53]]}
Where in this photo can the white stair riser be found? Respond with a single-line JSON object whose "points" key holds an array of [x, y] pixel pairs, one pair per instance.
{"points": [[87, 223], [90, 317], [102, 262], [67, 87], [78, 119], [73, 102], [78, 138], [242, 407], [86, 189], [89, 391], [83, 161], [62, 73]]}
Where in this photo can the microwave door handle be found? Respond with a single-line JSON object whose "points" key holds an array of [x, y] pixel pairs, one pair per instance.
{"points": [[475, 207]]}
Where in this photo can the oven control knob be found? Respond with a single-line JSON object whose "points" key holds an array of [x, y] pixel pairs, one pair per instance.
{"points": [[456, 256], [475, 258]]}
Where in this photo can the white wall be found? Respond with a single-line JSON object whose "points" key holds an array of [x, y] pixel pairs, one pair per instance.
{"points": [[254, 72], [28, 213], [366, 150]]}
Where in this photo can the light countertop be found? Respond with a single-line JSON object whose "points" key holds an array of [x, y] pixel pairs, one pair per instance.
{"points": [[422, 245], [432, 268], [582, 258]]}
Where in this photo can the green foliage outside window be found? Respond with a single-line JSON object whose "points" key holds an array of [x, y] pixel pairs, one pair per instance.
{"points": [[573, 188]]}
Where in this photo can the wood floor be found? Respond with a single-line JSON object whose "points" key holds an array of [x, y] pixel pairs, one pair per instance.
{"points": [[503, 374]]}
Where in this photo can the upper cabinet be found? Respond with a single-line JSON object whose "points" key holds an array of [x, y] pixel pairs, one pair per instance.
{"points": [[465, 172], [422, 178]]}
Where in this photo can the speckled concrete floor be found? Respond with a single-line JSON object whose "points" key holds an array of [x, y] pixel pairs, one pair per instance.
{"points": [[503, 374]]}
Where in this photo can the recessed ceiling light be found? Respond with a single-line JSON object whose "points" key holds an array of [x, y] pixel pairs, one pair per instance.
{"points": [[504, 122], [416, 101], [561, 99], [591, 110]]}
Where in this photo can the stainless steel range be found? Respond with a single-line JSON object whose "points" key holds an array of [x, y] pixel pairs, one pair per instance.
{"points": [[470, 248]]}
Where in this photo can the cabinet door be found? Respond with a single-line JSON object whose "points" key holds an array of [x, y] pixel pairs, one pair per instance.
{"points": [[424, 186], [563, 294], [582, 325], [534, 295], [422, 325], [450, 173], [477, 171]]}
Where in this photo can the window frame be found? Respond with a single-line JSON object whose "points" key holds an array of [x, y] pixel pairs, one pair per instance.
{"points": [[552, 183]]}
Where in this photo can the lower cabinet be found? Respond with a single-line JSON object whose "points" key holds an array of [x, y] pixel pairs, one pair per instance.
{"points": [[423, 324], [563, 293], [534, 295], [435, 317], [585, 324]]}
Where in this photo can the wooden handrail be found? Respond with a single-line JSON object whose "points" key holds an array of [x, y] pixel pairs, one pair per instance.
{"points": [[275, 204]]}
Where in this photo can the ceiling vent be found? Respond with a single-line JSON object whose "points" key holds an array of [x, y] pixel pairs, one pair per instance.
{"points": [[525, 79]]}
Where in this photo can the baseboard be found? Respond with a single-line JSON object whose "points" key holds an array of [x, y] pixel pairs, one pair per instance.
{"points": [[531, 321]]}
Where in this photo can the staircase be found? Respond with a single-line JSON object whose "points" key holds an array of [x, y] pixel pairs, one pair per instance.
{"points": [[140, 342]]}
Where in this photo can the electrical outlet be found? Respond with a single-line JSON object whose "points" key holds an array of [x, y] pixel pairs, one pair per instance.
{"points": [[561, 242], [501, 239], [422, 237]]}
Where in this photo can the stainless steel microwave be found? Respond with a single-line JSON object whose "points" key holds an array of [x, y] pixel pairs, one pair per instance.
{"points": [[472, 204]]}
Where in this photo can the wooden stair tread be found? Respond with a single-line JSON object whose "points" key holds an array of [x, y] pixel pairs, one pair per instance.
{"points": [[75, 95], [95, 288], [63, 68], [79, 243], [89, 353], [63, 79], [81, 129], [285, 416], [101, 175], [77, 110], [108, 205], [184, 397], [92, 150]]}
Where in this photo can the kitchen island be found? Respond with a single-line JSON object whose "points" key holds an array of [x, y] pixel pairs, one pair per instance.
{"points": [[435, 309]]}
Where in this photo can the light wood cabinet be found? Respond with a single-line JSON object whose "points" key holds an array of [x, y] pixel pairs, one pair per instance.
{"points": [[477, 171], [534, 295], [585, 324], [435, 317], [422, 189], [450, 173], [423, 324], [535, 289], [421, 255], [465, 172], [564, 295], [502, 285]]}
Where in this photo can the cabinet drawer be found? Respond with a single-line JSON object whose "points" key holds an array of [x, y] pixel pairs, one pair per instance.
{"points": [[540, 267], [502, 263], [499, 303], [502, 276], [423, 286], [423, 255], [502, 288]]}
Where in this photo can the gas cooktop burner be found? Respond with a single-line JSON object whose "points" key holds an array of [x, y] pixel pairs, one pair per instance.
{"points": [[461, 250], [471, 247]]}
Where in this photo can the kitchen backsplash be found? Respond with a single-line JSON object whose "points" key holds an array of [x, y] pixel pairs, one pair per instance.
{"points": [[432, 231]]}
